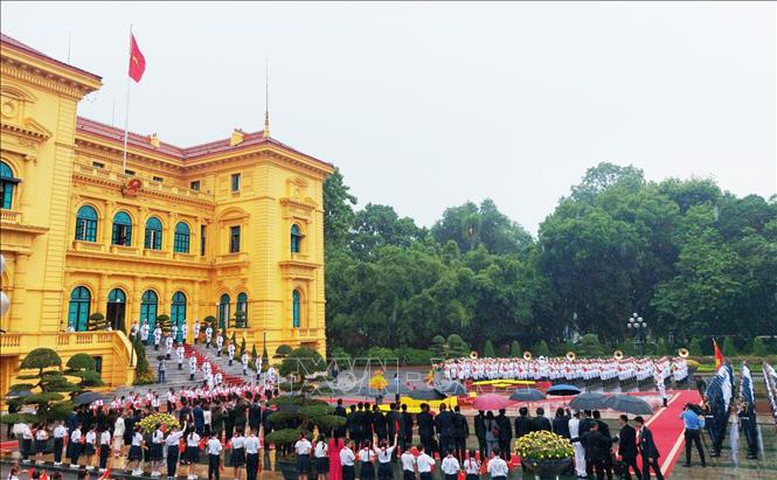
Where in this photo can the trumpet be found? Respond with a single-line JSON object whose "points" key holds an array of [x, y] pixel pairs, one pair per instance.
{"points": [[473, 355], [527, 355], [683, 353], [618, 355], [571, 356]]}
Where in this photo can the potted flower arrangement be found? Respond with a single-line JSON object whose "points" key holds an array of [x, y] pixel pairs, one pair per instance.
{"points": [[297, 414], [545, 453], [148, 424]]}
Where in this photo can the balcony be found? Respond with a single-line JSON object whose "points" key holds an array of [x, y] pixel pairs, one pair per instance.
{"points": [[10, 216], [122, 250], [156, 254], [232, 258], [185, 257], [81, 246]]}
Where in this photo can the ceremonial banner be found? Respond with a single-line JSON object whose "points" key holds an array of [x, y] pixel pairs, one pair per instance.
{"points": [[719, 359]]}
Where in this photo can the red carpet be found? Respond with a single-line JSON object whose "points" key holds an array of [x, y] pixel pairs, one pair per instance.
{"points": [[667, 429], [229, 380]]}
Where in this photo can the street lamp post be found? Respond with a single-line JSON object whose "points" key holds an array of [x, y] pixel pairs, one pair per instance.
{"points": [[638, 325]]}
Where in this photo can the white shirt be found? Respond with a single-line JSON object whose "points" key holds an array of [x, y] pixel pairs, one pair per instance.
{"points": [[497, 467], [105, 438], [137, 439], [408, 461], [303, 446], [450, 465], [366, 455], [214, 446], [347, 457], [238, 442], [425, 463], [384, 455], [193, 440], [174, 438], [471, 466], [118, 427], [321, 449], [60, 431], [75, 437], [252, 445]]}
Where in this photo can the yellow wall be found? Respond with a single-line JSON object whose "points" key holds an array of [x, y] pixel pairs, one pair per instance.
{"points": [[52, 152]]}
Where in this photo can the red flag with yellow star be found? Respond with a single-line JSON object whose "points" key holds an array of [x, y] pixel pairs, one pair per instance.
{"points": [[137, 64]]}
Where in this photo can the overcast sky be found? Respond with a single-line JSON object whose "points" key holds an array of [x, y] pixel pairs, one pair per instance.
{"points": [[427, 105]]}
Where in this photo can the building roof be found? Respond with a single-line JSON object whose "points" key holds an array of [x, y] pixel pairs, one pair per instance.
{"points": [[14, 44], [196, 152]]}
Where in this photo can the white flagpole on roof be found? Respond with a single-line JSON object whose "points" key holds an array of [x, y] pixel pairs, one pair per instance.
{"points": [[126, 115]]}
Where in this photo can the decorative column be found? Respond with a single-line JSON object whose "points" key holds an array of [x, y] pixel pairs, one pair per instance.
{"points": [[102, 295], [17, 324], [107, 224], [136, 295]]}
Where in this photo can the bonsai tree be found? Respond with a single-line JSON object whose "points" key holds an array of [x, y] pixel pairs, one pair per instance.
{"points": [[233, 339], [96, 321], [515, 349], [49, 401], [254, 354], [84, 367], [543, 349], [143, 373], [265, 359], [438, 346], [163, 322], [302, 360], [242, 346], [488, 350], [299, 414], [456, 347], [209, 321], [282, 352]]}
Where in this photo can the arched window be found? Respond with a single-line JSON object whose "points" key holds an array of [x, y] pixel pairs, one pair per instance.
{"points": [[122, 229], [178, 313], [148, 308], [224, 311], [153, 234], [181, 239], [78, 310], [86, 224], [242, 306], [295, 309], [117, 307], [296, 239], [7, 184]]}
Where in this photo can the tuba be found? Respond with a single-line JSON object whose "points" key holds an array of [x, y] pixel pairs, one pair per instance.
{"points": [[618, 355], [473, 355], [683, 353], [571, 356], [527, 355]]}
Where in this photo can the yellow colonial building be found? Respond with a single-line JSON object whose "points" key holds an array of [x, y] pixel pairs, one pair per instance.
{"points": [[234, 225]]}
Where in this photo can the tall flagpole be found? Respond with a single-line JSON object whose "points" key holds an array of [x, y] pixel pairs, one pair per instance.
{"points": [[126, 114]]}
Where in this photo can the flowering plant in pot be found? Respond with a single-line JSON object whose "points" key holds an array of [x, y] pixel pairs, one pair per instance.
{"points": [[545, 453]]}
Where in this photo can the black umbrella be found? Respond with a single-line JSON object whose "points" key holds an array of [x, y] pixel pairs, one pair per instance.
{"points": [[563, 390], [629, 404], [588, 401], [426, 394], [527, 395], [87, 398], [18, 394]]}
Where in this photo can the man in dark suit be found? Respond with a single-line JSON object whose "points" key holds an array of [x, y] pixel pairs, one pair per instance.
{"points": [[505, 434], [627, 447], [352, 424], [561, 423], [462, 432], [379, 424], [597, 448], [393, 420], [523, 424], [540, 422], [480, 432], [366, 419], [648, 450], [426, 428], [605, 430], [406, 429], [340, 412], [446, 429]]}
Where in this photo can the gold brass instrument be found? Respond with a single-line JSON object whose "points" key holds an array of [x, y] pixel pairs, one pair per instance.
{"points": [[571, 356], [618, 355], [527, 355], [683, 353]]}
